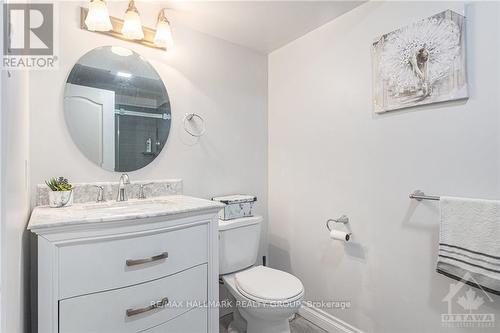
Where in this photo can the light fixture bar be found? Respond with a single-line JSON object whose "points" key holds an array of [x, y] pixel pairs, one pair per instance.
{"points": [[149, 33]]}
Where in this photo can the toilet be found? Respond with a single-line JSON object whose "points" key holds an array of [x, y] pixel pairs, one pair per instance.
{"points": [[266, 298]]}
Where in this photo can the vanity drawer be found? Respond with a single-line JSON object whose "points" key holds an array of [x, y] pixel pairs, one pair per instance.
{"points": [[113, 311], [100, 265], [194, 321]]}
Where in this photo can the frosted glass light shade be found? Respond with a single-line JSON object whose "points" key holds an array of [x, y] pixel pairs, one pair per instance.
{"points": [[98, 17], [132, 27], [163, 36]]}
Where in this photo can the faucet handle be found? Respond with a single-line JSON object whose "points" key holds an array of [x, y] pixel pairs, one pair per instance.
{"points": [[124, 179], [100, 193], [142, 195]]}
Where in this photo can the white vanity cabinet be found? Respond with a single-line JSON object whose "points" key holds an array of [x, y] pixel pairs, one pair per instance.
{"points": [[126, 272]]}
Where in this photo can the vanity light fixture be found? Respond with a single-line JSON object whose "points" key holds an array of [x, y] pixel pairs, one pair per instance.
{"points": [[98, 17], [163, 36], [132, 27]]}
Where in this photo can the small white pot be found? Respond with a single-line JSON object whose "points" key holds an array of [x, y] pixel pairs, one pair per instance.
{"points": [[60, 198]]}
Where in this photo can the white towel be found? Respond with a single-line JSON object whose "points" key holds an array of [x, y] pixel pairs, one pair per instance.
{"points": [[469, 242]]}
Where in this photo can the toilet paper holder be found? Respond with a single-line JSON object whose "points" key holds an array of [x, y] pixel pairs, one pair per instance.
{"points": [[342, 219]]}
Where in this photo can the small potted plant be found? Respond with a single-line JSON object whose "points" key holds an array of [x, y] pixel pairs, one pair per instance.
{"points": [[61, 193]]}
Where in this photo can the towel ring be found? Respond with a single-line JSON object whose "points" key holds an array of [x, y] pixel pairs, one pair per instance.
{"points": [[189, 117]]}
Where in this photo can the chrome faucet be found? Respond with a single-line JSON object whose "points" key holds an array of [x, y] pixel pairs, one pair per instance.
{"points": [[122, 189]]}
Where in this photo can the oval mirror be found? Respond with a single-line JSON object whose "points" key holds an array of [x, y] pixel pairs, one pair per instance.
{"points": [[117, 109]]}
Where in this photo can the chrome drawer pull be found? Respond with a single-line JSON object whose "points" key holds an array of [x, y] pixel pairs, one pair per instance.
{"points": [[133, 262], [133, 312]]}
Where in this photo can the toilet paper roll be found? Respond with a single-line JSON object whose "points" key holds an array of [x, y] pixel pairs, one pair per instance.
{"points": [[340, 235]]}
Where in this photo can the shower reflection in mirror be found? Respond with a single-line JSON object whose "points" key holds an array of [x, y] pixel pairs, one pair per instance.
{"points": [[117, 109]]}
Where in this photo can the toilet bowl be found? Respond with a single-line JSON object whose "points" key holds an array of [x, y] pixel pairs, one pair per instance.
{"points": [[266, 298]]}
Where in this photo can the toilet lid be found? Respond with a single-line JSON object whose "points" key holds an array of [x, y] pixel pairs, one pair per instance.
{"points": [[264, 283]]}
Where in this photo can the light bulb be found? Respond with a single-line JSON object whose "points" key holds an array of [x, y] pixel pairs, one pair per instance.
{"points": [[132, 27], [98, 17], [163, 36]]}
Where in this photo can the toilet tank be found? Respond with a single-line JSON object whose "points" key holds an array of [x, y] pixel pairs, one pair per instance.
{"points": [[238, 243]]}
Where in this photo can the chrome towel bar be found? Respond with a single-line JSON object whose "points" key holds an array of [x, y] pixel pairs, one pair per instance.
{"points": [[419, 195]]}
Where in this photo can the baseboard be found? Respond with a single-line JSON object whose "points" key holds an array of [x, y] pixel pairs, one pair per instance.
{"points": [[326, 321]]}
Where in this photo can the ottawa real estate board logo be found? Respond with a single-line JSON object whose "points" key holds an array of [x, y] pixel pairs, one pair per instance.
{"points": [[28, 36], [465, 306]]}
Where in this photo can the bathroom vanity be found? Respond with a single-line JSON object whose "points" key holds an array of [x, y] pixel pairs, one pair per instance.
{"points": [[142, 265]]}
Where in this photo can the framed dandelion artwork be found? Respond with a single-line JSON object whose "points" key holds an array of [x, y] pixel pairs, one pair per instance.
{"points": [[421, 63]]}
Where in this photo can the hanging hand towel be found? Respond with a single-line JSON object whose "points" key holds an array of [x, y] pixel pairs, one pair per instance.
{"points": [[469, 242]]}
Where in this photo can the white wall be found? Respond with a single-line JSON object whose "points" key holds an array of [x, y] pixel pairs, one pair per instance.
{"points": [[225, 83], [14, 206], [14, 199], [330, 155], [1, 166]]}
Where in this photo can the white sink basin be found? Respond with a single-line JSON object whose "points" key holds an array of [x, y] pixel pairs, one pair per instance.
{"points": [[134, 204]]}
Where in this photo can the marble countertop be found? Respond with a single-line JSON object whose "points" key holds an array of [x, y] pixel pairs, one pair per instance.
{"points": [[44, 217]]}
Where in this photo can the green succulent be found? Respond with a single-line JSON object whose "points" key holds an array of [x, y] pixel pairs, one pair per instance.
{"points": [[59, 184]]}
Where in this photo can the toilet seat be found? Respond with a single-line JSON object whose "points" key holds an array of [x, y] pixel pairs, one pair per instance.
{"points": [[266, 285]]}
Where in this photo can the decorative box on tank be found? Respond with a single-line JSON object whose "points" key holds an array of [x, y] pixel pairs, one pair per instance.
{"points": [[236, 206]]}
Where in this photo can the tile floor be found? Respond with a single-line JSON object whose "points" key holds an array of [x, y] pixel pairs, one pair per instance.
{"points": [[297, 325]]}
